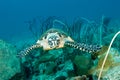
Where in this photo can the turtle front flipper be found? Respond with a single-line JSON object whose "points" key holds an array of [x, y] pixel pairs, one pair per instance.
{"points": [[84, 47], [27, 50]]}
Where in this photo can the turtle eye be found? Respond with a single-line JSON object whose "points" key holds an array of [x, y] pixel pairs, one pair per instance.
{"points": [[59, 34], [45, 36]]}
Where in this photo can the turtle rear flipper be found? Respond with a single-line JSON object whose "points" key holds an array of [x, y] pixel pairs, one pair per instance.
{"points": [[27, 50]]}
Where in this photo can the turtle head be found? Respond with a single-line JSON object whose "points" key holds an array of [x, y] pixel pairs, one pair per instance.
{"points": [[53, 39]]}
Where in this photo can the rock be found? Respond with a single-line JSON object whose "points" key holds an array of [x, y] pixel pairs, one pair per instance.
{"points": [[111, 67], [83, 77], [51, 55], [113, 74], [47, 68], [65, 68], [46, 71], [82, 64], [60, 78], [9, 63]]}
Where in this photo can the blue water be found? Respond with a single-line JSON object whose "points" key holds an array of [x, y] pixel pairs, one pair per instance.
{"points": [[14, 13], [80, 19]]}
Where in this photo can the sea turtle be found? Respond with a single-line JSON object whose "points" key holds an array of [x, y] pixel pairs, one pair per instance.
{"points": [[54, 39]]}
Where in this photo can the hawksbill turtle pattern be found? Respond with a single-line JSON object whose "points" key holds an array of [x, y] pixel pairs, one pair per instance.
{"points": [[54, 39]]}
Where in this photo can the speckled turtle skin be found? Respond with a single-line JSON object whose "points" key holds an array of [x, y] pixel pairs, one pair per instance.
{"points": [[54, 39]]}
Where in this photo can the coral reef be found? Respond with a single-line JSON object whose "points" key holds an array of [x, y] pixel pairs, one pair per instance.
{"points": [[82, 64], [113, 73], [9, 63], [110, 66], [65, 63], [83, 77]]}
